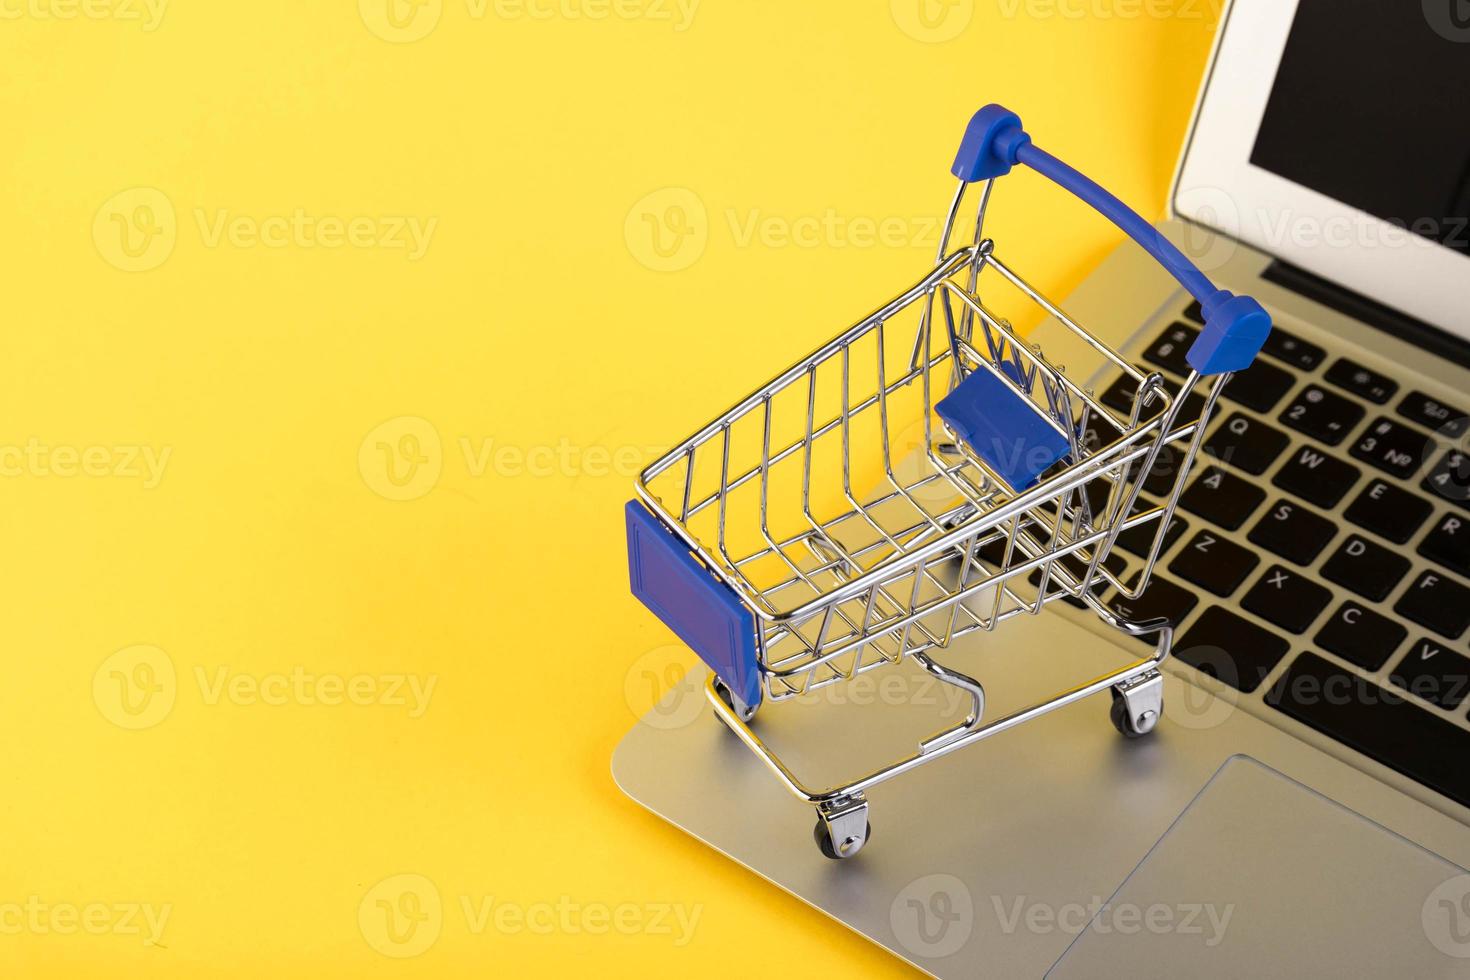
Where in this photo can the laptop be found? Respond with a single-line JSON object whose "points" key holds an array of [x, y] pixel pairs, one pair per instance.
{"points": [[1303, 807]]}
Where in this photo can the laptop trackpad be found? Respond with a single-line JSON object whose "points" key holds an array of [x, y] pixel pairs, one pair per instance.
{"points": [[1262, 877]]}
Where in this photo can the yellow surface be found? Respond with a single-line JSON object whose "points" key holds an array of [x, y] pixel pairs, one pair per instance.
{"points": [[253, 252]]}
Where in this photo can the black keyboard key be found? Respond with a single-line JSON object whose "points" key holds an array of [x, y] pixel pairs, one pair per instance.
{"points": [[1165, 472], [1450, 478], [1449, 544], [1162, 599], [1246, 443], [1218, 565], [1169, 350], [1375, 721], [1432, 413], [1361, 381], [1437, 602], [1161, 475], [1260, 386], [1293, 532], [1293, 350], [1316, 477], [1396, 449], [1119, 397], [1369, 569], [1076, 566], [1140, 539], [1195, 312], [1324, 416], [1435, 673], [1362, 636], [1388, 511], [1287, 599], [1097, 491], [1222, 497], [1231, 649]]}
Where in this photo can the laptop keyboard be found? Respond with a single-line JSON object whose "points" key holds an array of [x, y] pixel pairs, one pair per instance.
{"points": [[1321, 550]]}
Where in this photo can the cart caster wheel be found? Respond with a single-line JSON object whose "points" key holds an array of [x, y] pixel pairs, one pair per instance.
{"points": [[742, 710], [1133, 714], [822, 834], [842, 827]]}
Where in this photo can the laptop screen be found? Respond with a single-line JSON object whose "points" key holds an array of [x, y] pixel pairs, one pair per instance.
{"points": [[1372, 108]]}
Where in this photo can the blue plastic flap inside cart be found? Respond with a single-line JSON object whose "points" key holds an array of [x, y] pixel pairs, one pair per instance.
{"points": [[1002, 428], [704, 612]]}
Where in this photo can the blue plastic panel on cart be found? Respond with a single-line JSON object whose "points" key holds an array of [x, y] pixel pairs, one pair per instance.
{"points": [[1003, 428], [704, 612]]}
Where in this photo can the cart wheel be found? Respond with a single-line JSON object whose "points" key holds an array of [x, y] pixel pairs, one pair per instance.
{"points": [[1123, 721], [743, 711], [822, 834]]}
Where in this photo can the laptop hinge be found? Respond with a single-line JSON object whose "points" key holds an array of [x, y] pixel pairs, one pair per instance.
{"points": [[1369, 311]]}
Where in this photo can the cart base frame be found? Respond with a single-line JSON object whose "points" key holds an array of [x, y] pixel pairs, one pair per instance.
{"points": [[843, 826]]}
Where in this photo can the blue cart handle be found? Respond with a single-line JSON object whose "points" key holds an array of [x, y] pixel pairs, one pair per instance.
{"points": [[1235, 326]]}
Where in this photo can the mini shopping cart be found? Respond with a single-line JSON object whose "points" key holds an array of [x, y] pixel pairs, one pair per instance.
{"points": [[925, 475]]}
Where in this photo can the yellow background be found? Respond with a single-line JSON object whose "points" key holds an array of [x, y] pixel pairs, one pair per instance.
{"points": [[536, 322]]}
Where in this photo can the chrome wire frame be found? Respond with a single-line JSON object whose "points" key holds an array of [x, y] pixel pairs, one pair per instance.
{"points": [[855, 579]]}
